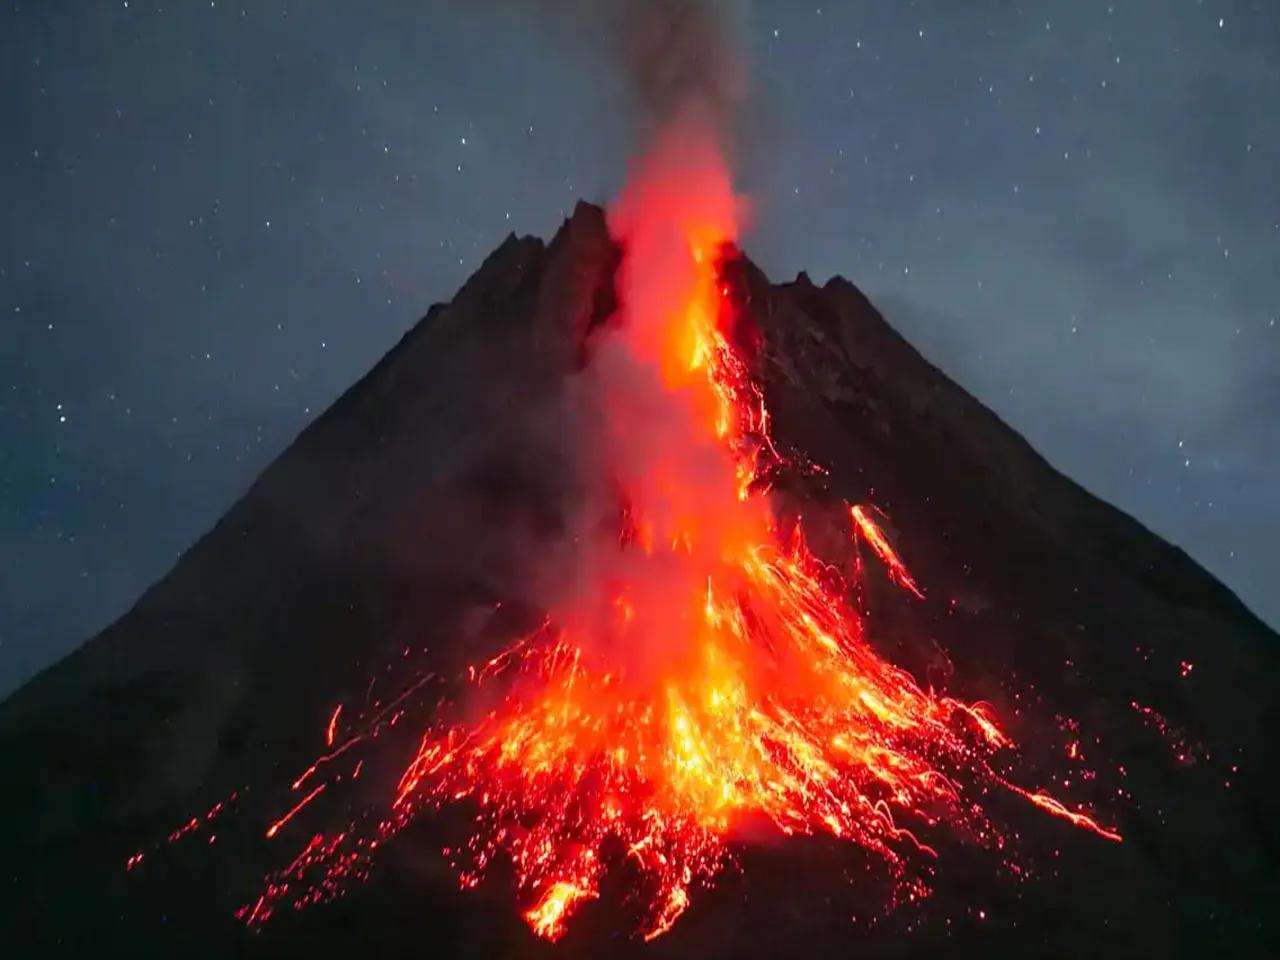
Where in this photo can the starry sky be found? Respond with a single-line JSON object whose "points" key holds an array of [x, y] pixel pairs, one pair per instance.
{"points": [[219, 215]]}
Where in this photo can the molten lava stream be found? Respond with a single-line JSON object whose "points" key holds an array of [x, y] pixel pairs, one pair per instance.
{"points": [[776, 708]]}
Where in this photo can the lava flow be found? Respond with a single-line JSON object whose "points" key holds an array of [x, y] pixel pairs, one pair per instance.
{"points": [[711, 670]]}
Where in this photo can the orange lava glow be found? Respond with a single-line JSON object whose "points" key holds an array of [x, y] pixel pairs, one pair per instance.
{"points": [[768, 702], [758, 698]]}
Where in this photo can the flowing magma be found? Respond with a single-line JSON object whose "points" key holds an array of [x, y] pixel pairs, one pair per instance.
{"points": [[757, 697]]}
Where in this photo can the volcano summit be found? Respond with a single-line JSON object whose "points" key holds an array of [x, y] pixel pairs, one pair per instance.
{"points": [[635, 603]]}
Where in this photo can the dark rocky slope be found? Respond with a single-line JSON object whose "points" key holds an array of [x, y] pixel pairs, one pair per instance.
{"points": [[377, 528]]}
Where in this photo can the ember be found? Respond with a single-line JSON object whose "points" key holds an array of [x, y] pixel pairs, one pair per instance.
{"points": [[759, 698]]}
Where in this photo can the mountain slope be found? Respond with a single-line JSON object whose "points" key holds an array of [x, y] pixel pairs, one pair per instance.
{"points": [[399, 516]]}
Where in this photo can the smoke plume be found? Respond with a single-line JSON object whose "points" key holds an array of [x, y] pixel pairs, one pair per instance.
{"points": [[674, 56], [682, 56]]}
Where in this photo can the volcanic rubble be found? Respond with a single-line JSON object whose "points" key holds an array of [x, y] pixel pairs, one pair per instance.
{"points": [[1134, 683]]}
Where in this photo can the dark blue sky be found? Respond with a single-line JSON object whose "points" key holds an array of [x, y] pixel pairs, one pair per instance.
{"points": [[218, 216]]}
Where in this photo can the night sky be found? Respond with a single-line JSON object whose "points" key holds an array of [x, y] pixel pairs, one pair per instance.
{"points": [[218, 216]]}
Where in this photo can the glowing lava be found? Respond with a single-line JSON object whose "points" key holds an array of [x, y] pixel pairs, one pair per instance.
{"points": [[729, 679]]}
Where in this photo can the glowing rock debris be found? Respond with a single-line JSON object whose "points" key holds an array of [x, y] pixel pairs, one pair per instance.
{"points": [[764, 702]]}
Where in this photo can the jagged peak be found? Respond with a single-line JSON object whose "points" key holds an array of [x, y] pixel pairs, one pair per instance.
{"points": [[590, 216]]}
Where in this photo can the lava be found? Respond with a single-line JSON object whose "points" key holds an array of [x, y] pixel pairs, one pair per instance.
{"points": [[730, 679], [766, 701]]}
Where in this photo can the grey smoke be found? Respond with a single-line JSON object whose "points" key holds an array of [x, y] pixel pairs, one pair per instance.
{"points": [[685, 54], [675, 56]]}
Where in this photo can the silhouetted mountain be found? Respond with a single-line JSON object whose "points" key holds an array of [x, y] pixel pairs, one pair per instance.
{"points": [[387, 524]]}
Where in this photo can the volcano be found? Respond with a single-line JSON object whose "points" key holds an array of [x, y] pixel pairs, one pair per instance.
{"points": [[1040, 730]]}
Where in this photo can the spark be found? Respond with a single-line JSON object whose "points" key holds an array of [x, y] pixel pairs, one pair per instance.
{"points": [[864, 525], [294, 810], [331, 730], [1056, 807]]}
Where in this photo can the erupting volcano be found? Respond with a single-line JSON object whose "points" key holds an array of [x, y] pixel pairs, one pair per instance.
{"points": [[654, 604], [705, 669]]}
